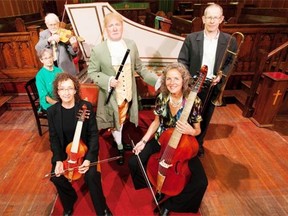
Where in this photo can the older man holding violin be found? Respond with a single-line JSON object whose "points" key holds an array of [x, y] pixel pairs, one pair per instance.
{"points": [[64, 45]]}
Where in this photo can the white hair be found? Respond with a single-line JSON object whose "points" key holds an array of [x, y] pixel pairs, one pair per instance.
{"points": [[51, 17]]}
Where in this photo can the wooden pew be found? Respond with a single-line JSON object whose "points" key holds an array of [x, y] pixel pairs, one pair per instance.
{"points": [[20, 23], [182, 27], [250, 15], [7, 25], [150, 19], [231, 9], [19, 61]]}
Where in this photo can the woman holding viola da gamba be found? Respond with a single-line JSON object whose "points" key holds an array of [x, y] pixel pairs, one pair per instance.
{"points": [[169, 106], [62, 120]]}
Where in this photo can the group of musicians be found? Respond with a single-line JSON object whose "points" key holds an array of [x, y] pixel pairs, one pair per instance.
{"points": [[178, 112]]}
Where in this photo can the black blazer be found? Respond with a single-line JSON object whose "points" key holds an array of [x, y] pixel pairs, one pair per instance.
{"points": [[191, 53], [89, 133]]}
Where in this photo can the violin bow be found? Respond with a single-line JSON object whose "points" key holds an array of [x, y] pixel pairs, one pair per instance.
{"points": [[145, 176], [52, 174], [63, 14]]}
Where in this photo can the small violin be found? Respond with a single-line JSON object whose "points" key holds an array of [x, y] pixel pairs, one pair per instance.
{"points": [[65, 35], [76, 150]]}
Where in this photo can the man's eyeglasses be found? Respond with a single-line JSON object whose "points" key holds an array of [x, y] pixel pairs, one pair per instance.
{"points": [[212, 18]]}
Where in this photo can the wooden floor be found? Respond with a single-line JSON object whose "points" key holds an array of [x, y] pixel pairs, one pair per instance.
{"points": [[247, 166]]}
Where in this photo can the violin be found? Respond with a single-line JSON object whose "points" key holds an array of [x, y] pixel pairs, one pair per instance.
{"points": [[65, 35], [168, 169], [76, 150]]}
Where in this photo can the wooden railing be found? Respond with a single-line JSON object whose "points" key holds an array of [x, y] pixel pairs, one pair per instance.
{"points": [[262, 15], [274, 61]]}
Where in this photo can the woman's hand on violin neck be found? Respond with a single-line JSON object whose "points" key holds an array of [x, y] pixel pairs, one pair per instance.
{"points": [[59, 169], [84, 167], [185, 128]]}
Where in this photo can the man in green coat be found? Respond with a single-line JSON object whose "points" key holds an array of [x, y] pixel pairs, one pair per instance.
{"points": [[105, 61]]}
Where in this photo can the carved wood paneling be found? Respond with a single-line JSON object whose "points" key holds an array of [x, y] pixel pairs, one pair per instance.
{"points": [[17, 54]]}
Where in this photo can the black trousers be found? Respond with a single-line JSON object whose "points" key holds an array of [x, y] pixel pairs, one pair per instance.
{"points": [[190, 198], [207, 112], [68, 196]]}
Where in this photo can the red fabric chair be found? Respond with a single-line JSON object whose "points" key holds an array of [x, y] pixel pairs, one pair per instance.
{"points": [[89, 92]]}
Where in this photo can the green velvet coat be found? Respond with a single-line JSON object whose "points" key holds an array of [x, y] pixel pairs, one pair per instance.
{"points": [[100, 70]]}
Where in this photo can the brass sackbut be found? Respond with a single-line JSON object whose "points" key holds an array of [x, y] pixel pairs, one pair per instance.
{"points": [[218, 100]]}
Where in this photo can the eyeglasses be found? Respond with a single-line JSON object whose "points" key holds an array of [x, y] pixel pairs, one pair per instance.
{"points": [[46, 58], [52, 24], [64, 90], [212, 18]]}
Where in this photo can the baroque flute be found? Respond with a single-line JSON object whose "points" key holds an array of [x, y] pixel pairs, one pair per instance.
{"points": [[118, 74]]}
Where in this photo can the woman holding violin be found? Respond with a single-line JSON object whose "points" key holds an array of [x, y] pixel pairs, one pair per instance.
{"points": [[61, 43], [62, 120], [170, 104]]}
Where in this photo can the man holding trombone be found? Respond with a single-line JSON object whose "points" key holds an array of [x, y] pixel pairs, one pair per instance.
{"points": [[209, 47]]}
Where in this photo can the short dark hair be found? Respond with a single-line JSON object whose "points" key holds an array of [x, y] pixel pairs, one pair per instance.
{"points": [[42, 51], [63, 77]]}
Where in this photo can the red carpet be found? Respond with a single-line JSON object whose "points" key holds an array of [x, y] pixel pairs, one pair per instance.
{"points": [[120, 194]]}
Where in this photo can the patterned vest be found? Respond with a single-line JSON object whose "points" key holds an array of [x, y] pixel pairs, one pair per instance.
{"points": [[117, 51], [124, 88]]}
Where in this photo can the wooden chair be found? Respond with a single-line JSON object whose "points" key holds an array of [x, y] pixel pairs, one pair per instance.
{"points": [[89, 92], [32, 92]]}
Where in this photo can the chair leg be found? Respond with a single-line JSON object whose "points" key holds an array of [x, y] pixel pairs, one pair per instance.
{"points": [[39, 126]]}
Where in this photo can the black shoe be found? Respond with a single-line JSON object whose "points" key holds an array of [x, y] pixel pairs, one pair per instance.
{"points": [[159, 197], [127, 147], [120, 161], [68, 213], [201, 151], [107, 212], [162, 212]]}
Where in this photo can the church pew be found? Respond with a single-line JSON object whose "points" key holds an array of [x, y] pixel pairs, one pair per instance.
{"points": [[182, 26], [20, 23], [231, 9], [19, 61], [250, 15]]}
